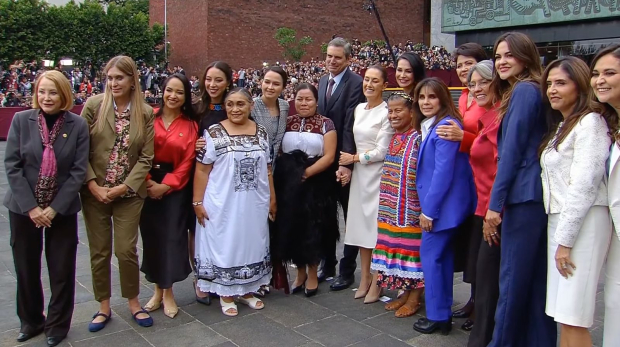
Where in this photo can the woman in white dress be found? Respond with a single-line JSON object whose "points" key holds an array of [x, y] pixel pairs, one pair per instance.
{"points": [[372, 132], [606, 84], [233, 199], [573, 156]]}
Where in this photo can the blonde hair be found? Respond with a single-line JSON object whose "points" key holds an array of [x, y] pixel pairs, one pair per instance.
{"points": [[137, 111], [62, 85]]}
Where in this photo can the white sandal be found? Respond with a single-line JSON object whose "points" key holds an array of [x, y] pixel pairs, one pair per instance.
{"points": [[251, 302], [227, 306]]}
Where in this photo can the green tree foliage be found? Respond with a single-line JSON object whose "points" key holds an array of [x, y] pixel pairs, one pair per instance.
{"points": [[292, 47], [32, 29]]}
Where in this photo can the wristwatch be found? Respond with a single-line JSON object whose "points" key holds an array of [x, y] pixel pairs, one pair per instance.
{"points": [[197, 203]]}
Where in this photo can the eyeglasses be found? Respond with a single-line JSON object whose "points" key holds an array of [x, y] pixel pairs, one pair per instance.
{"points": [[481, 84]]}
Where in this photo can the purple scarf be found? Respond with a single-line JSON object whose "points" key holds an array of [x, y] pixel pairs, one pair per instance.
{"points": [[47, 185]]}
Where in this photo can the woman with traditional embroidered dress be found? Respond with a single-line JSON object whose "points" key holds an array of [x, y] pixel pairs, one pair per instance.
{"points": [[397, 254], [233, 199], [307, 225], [215, 84]]}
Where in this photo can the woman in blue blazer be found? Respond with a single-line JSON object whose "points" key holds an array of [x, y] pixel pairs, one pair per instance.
{"points": [[447, 196], [520, 318]]}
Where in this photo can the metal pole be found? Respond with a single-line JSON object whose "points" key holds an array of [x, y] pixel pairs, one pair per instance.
{"points": [[373, 8], [165, 31]]}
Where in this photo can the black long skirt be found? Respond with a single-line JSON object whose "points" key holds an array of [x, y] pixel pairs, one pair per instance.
{"points": [[163, 225], [306, 227]]}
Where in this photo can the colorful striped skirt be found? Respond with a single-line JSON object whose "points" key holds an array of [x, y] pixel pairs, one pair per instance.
{"points": [[397, 257]]}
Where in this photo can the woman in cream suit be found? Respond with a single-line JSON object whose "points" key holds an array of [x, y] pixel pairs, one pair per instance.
{"points": [[121, 153], [372, 131], [573, 156], [606, 84]]}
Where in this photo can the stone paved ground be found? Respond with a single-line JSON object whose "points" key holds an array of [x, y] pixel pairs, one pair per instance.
{"points": [[328, 319]]}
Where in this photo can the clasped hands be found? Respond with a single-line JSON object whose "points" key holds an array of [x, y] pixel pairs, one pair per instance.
{"points": [[106, 195], [343, 175], [156, 190], [42, 217]]}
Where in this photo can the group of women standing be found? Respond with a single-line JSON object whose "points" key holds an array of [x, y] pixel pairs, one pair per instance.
{"points": [[524, 171]]}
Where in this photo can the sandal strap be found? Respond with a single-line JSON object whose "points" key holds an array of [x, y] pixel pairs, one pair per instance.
{"points": [[99, 314], [141, 311]]}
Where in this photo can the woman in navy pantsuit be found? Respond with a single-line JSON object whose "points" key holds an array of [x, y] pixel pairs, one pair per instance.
{"points": [[520, 318], [447, 196]]}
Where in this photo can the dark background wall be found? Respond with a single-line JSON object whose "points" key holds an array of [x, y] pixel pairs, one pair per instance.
{"points": [[241, 32]]}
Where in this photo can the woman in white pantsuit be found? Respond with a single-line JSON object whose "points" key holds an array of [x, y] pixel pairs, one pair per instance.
{"points": [[606, 84], [372, 132], [573, 157]]}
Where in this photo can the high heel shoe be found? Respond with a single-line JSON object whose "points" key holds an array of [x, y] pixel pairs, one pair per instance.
{"points": [[202, 300], [298, 289], [427, 326], [371, 300], [361, 294], [311, 292], [171, 312]]}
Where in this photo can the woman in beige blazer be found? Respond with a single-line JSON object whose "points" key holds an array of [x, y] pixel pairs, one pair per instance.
{"points": [[121, 153]]}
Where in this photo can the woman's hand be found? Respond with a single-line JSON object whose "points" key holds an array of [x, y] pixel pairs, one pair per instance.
{"points": [[157, 190], [346, 159], [39, 218], [493, 218], [490, 234], [117, 191], [49, 213], [100, 193], [343, 175], [273, 208], [452, 132], [200, 143], [201, 214], [425, 223], [562, 261]]}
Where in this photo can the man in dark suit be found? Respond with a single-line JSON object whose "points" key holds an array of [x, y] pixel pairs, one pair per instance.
{"points": [[339, 93]]}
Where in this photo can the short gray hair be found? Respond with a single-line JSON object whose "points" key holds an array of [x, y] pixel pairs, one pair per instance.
{"points": [[484, 68], [340, 42]]}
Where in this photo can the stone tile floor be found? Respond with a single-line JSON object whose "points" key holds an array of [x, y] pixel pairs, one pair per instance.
{"points": [[328, 319]]}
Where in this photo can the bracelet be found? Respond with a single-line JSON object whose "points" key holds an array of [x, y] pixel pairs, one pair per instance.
{"points": [[197, 203]]}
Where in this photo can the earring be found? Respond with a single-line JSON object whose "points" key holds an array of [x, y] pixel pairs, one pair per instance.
{"points": [[133, 87], [227, 89]]}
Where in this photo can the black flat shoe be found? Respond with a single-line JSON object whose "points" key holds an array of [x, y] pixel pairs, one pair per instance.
{"points": [[427, 326], [465, 311], [205, 301], [54, 340], [468, 325], [341, 283], [311, 292], [23, 337]]}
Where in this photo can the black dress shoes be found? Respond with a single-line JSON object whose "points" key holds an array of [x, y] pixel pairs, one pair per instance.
{"points": [[341, 283], [54, 340], [427, 326], [326, 273], [23, 337], [468, 325]]}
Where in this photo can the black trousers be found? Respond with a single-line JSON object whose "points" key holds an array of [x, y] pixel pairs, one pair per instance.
{"points": [[27, 242], [487, 293], [347, 263]]}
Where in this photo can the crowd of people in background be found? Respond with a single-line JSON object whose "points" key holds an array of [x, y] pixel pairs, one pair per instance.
{"points": [[17, 79]]}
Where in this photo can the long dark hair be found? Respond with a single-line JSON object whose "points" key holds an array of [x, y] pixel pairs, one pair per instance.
{"points": [[611, 115], [187, 110], [579, 73], [417, 66], [524, 50], [204, 100], [445, 100]]}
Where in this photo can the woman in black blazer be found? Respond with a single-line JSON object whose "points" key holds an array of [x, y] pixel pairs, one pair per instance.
{"points": [[46, 160]]}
